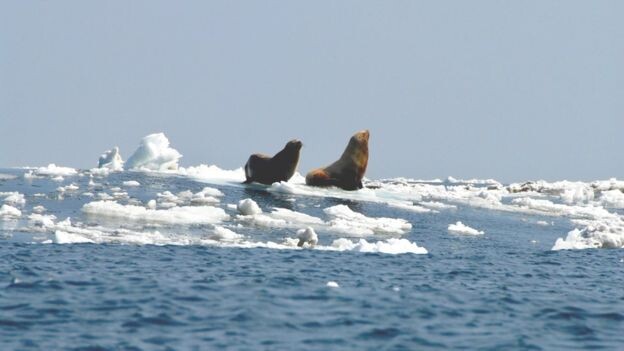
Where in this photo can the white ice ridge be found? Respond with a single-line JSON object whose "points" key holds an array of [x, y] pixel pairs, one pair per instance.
{"points": [[111, 159], [154, 154], [175, 215], [460, 228]]}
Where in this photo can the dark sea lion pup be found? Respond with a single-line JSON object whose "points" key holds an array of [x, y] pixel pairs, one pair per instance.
{"points": [[348, 171], [268, 170]]}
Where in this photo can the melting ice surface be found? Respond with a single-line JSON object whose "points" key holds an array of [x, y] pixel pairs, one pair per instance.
{"points": [[400, 264]]}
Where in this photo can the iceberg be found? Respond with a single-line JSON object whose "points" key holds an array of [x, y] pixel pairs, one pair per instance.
{"points": [[111, 159], [154, 154]]}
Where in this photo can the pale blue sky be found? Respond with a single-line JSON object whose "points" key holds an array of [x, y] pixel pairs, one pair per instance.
{"points": [[489, 89]]}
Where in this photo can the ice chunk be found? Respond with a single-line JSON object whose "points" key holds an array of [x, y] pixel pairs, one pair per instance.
{"points": [[39, 220], [111, 159], [390, 246], [332, 284], [39, 209], [13, 198], [7, 176], [344, 220], [9, 211], [53, 170], [604, 233], [130, 183], [61, 237], [248, 207], [224, 234], [67, 188], [213, 174], [460, 228], [154, 154], [295, 217], [307, 236], [612, 198]]}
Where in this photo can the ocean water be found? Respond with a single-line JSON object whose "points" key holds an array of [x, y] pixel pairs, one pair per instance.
{"points": [[163, 276]]}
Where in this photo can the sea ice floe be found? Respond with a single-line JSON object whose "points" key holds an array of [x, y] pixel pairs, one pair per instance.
{"points": [[154, 154], [111, 159], [13, 198], [131, 183], [61, 237], [612, 198], [213, 174], [175, 215], [42, 221], [224, 234], [460, 228], [203, 197], [52, 170], [605, 232], [390, 246], [341, 220], [8, 211], [39, 209], [409, 206], [67, 188], [550, 208], [345, 220]]}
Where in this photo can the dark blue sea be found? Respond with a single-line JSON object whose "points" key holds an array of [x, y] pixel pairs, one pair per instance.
{"points": [[503, 290]]}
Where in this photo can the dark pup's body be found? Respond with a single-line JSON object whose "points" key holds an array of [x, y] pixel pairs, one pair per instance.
{"points": [[279, 168]]}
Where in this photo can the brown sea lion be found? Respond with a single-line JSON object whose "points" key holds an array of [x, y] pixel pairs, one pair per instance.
{"points": [[268, 170], [347, 172]]}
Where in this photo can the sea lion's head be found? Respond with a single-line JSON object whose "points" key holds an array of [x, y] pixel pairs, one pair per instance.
{"points": [[359, 142], [294, 145], [362, 136], [357, 151]]}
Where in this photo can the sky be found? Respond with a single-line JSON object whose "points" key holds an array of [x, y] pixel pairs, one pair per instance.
{"points": [[513, 91]]}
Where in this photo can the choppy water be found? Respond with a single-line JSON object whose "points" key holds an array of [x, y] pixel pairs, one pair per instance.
{"points": [[502, 290]]}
